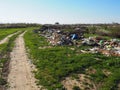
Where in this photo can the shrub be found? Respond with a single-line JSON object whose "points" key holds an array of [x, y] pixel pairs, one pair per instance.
{"points": [[76, 88]]}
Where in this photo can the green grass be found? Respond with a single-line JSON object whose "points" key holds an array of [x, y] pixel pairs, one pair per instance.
{"points": [[56, 63], [6, 31]]}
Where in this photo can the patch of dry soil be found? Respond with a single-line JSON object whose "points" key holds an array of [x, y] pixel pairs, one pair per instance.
{"points": [[83, 82]]}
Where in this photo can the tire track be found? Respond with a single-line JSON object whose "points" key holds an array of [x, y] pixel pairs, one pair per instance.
{"points": [[20, 76]]}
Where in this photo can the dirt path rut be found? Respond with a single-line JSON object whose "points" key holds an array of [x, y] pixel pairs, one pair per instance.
{"points": [[20, 76], [7, 38]]}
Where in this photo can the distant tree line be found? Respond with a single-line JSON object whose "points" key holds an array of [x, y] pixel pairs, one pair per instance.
{"points": [[18, 25]]}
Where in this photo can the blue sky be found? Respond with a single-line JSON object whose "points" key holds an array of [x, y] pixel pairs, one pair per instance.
{"points": [[63, 11]]}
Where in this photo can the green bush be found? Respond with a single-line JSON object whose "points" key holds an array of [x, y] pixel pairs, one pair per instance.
{"points": [[76, 88], [3, 81]]}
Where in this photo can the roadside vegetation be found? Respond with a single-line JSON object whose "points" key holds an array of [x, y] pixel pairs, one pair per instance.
{"points": [[55, 63], [5, 32]]}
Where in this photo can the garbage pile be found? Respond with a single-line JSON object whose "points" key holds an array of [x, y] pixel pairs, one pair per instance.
{"points": [[111, 47], [101, 45], [59, 37]]}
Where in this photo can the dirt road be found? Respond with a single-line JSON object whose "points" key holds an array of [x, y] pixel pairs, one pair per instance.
{"points": [[7, 38], [20, 76]]}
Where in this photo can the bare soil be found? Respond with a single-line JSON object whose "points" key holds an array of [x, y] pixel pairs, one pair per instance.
{"points": [[82, 82]]}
